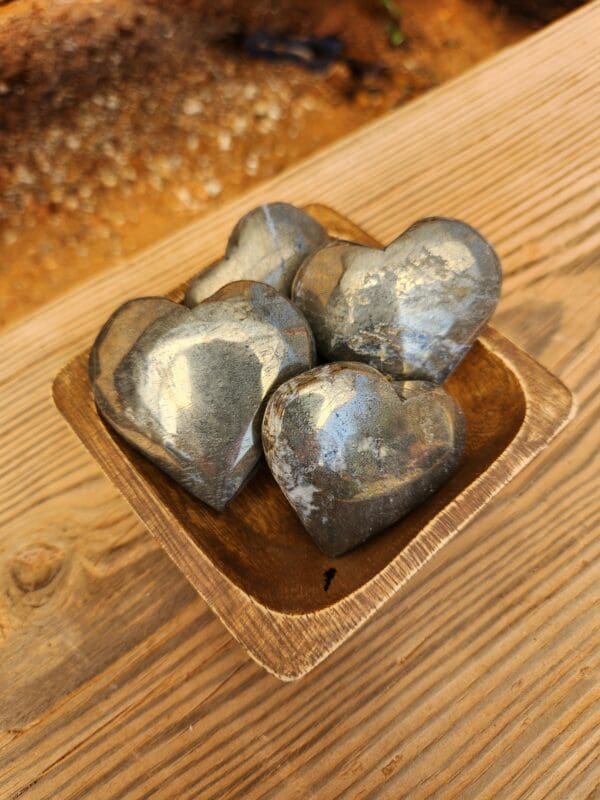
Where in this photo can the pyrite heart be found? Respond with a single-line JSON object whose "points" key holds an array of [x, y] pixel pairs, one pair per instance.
{"points": [[188, 387], [354, 452], [268, 244], [411, 310]]}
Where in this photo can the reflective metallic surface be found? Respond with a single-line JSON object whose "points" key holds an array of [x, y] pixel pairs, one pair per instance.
{"points": [[268, 245], [354, 452], [188, 387], [411, 310]]}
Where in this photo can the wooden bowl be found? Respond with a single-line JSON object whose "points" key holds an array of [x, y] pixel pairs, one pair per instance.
{"points": [[283, 600]]}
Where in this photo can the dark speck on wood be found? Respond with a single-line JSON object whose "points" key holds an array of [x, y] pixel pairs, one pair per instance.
{"points": [[328, 576]]}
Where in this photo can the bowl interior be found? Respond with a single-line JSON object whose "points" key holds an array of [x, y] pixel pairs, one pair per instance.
{"points": [[258, 541]]}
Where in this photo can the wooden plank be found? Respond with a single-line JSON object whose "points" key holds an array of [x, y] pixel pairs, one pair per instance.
{"points": [[482, 679]]}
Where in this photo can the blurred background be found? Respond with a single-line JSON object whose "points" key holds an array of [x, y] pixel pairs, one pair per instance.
{"points": [[122, 120]]}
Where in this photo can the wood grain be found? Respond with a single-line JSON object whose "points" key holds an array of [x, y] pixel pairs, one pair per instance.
{"points": [[254, 563], [481, 680]]}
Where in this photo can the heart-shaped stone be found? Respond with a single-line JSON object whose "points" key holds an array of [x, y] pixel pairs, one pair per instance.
{"points": [[268, 245], [354, 452], [411, 310], [187, 387]]}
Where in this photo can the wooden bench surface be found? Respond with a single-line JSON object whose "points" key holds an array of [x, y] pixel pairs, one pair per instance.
{"points": [[479, 679]]}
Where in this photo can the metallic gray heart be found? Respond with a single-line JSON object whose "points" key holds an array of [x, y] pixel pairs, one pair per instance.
{"points": [[411, 310], [187, 387], [268, 245], [353, 452]]}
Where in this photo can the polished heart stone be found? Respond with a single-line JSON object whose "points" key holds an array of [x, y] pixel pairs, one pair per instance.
{"points": [[353, 452], [411, 310], [266, 245], [187, 387]]}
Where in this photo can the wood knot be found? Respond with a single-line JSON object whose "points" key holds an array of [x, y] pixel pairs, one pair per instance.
{"points": [[36, 566]]}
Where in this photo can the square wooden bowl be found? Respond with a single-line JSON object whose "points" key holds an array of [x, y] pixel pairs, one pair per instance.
{"points": [[283, 600]]}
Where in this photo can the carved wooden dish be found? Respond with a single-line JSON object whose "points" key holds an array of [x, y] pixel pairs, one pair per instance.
{"points": [[256, 566]]}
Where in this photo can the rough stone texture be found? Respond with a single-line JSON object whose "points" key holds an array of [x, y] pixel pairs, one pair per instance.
{"points": [[188, 387], [268, 244], [411, 310], [353, 452]]}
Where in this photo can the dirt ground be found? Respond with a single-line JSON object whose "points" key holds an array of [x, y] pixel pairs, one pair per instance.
{"points": [[122, 120]]}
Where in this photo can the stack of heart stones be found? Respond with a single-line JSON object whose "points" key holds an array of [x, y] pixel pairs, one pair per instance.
{"points": [[205, 387]]}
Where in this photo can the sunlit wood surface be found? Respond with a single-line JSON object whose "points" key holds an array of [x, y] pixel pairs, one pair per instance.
{"points": [[480, 678]]}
